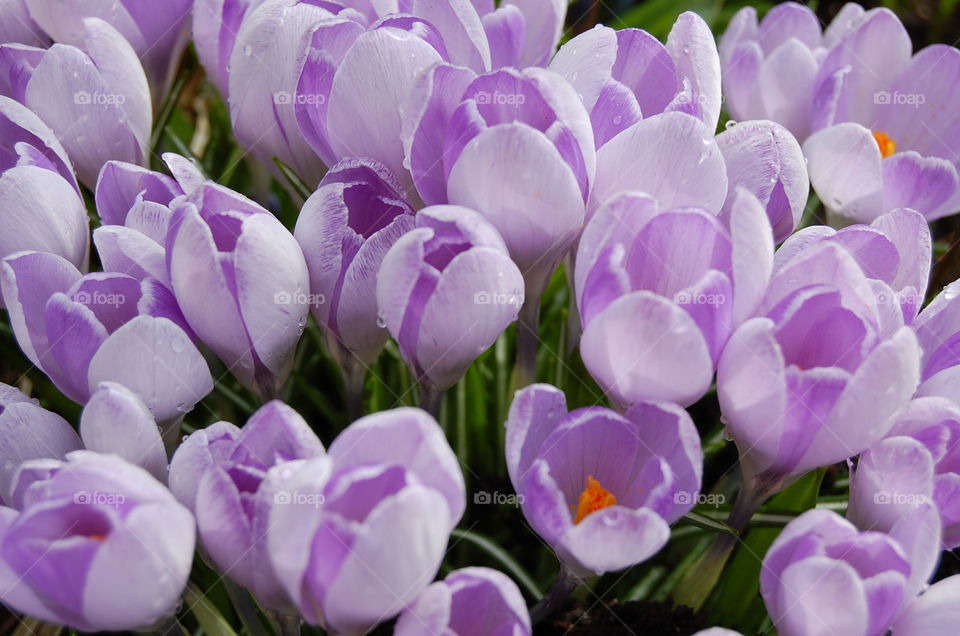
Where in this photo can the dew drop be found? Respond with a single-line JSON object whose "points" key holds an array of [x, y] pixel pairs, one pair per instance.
{"points": [[248, 50], [730, 124]]}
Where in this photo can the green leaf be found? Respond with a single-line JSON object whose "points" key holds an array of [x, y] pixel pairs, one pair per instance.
{"points": [[212, 622], [511, 565]]}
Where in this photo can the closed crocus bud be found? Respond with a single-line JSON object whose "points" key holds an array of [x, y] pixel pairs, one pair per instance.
{"points": [[917, 463], [446, 291], [822, 576], [937, 327], [894, 251], [84, 330], [355, 537], [601, 488], [240, 278], [29, 431], [627, 75], [127, 541], [220, 474], [157, 31], [881, 141], [819, 376], [215, 27], [94, 96], [644, 297], [769, 67], [40, 204], [468, 602], [345, 229], [764, 158]]}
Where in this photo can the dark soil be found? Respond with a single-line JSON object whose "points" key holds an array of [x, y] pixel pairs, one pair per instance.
{"points": [[622, 619]]}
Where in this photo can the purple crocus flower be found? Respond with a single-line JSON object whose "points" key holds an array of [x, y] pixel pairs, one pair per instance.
{"points": [[40, 203], [355, 537], [345, 229], [627, 75], [446, 291], [126, 541], [215, 26], [655, 315], [770, 67], [601, 488], [156, 30], [820, 374], [918, 462], [468, 602], [938, 332], [822, 576], [241, 280], [882, 140], [220, 475], [95, 98], [516, 146], [83, 330], [16, 25]]}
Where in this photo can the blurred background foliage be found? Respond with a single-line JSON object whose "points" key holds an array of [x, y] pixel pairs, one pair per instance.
{"points": [[194, 121]]}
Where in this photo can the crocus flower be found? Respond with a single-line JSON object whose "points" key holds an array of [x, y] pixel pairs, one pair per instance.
{"points": [[468, 602], [355, 537], [938, 332], [882, 140], [240, 278], [655, 314], [822, 576], [446, 290], [126, 541], [16, 25], [820, 374], [345, 229], [769, 68], [215, 26], [601, 488], [84, 330], [627, 75], [918, 462], [516, 146], [40, 203], [156, 30], [95, 98], [225, 490]]}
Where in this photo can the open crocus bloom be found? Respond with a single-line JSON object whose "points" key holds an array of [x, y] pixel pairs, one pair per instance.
{"points": [[219, 473], [124, 539], [601, 488], [883, 137], [95, 98], [822, 576], [627, 75], [241, 280], [345, 229], [655, 315], [40, 203], [820, 375], [468, 602], [919, 462], [83, 330], [769, 67], [446, 291], [355, 536]]}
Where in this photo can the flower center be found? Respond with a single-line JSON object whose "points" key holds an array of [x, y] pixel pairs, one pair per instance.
{"points": [[887, 145], [594, 497]]}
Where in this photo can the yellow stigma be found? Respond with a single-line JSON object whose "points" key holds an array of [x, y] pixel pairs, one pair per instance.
{"points": [[594, 497], [887, 145]]}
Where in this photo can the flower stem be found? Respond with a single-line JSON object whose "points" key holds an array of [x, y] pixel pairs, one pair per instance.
{"points": [[528, 339], [431, 399], [170, 434], [561, 589], [354, 375], [288, 622]]}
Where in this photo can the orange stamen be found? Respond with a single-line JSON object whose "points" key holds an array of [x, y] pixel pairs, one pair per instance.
{"points": [[887, 145], [594, 497], [98, 537]]}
